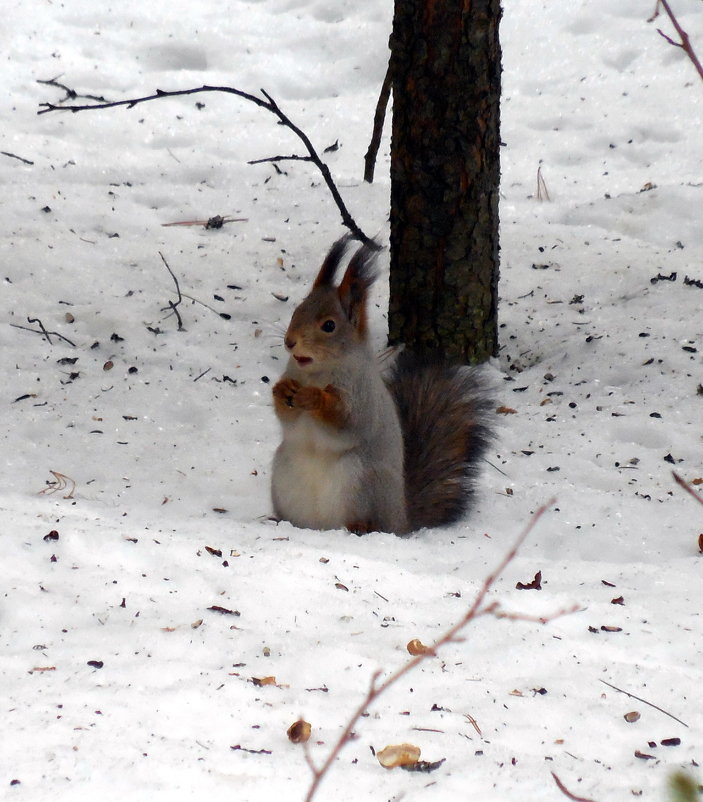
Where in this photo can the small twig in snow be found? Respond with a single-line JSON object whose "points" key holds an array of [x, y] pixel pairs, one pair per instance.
{"points": [[44, 333], [685, 43], [71, 94], [645, 702], [61, 483], [542, 191], [281, 159], [267, 103], [567, 793], [212, 222], [171, 305], [476, 610], [683, 483], [15, 156]]}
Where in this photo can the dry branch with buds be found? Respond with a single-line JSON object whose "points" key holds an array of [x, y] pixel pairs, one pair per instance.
{"points": [[685, 42], [477, 609], [266, 102]]}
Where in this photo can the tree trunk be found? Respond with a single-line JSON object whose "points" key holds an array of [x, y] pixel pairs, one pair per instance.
{"points": [[445, 171]]}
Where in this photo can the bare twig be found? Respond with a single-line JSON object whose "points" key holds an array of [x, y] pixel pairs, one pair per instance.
{"points": [[15, 156], [267, 103], [292, 158], [685, 43], [567, 793], [645, 702], [683, 483], [70, 93], [44, 333], [212, 222], [378, 119], [473, 723], [542, 191], [171, 305], [476, 609], [61, 483]]}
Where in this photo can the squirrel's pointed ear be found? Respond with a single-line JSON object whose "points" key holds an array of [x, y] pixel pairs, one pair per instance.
{"points": [[359, 276], [325, 277]]}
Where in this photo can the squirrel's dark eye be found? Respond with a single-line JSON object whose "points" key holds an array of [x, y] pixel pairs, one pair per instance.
{"points": [[329, 326]]}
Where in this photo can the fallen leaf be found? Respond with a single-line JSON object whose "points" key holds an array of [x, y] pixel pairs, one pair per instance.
{"points": [[506, 411], [536, 583], [398, 755], [259, 681], [630, 718]]}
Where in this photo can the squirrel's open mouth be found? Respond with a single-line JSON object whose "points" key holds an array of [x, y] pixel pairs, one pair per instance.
{"points": [[303, 360]]}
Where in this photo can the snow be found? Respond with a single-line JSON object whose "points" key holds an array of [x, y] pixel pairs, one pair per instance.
{"points": [[168, 435]]}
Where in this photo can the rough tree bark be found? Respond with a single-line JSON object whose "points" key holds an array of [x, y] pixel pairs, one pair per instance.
{"points": [[445, 63]]}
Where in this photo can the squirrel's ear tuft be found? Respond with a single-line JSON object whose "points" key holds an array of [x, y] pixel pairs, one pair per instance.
{"points": [[325, 278], [359, 276]]}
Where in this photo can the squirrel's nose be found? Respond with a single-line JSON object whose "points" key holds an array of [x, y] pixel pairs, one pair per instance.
{"points": [[290, 343]]}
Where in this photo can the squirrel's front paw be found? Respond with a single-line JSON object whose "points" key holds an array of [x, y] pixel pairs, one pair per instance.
{"points": [[285, 392], [309, 398]]}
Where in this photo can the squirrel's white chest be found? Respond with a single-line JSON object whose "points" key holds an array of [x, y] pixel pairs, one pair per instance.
{"points": [[315, 475]]}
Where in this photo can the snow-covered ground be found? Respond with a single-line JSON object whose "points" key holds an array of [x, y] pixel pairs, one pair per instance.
{"points": [[116, 679]]}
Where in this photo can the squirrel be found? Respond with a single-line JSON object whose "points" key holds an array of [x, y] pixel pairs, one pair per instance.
{"points": [[361, 451]]}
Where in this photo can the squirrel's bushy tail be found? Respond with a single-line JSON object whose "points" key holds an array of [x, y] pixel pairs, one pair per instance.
{"points": [[445, 416]]}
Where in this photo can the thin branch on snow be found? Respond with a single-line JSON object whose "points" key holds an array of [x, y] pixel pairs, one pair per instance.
{"points": [[71, 94], [15, 156], [476, 610], [47, 335], [683, 483], [171, 305], [542, 191], [61, 483], [567, 793], [281, 159], [217, 221], [685, 43], [645, 702], [267, 103]]}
